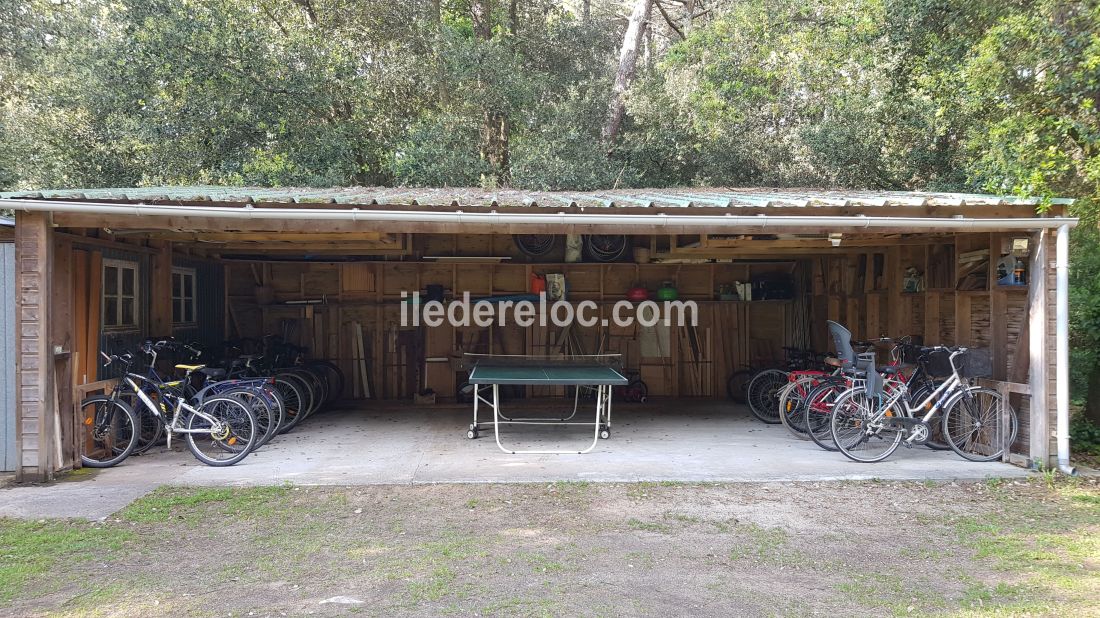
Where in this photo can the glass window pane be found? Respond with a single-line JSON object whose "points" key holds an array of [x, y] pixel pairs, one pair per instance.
{"points": [[188, 286], [110, 280], [110, 312], [189, 311], [127, 311], [176, 315], [128, 277], [176, 285]]}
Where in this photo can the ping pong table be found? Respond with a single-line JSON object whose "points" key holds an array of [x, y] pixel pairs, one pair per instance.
{"points": [[599, 372]]}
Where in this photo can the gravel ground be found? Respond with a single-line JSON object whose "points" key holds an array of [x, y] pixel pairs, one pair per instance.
{"points": [[570, 549]]}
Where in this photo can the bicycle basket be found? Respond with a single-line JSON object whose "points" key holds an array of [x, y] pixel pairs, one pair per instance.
{"points": [[938, 363], [976, 363]]}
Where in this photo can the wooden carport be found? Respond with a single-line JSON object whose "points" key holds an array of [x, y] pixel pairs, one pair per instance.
{"points": [[852, 248]]}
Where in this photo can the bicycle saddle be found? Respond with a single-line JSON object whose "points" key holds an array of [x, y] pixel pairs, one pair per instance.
{"points": [[214, 373], [889, 370], [190, 368]]}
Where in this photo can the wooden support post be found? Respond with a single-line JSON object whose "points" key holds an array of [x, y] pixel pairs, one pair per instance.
{"points": [[1038, 271], [932, 304], [35, 422], [67, 430]]}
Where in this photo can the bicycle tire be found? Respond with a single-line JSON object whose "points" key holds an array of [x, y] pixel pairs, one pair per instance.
{"points": [[788, 397], [304, 398], [792, 409], [763, 395], [817, 413], [333, 376], [316, 388], [291, 396], [104, 405], [956, 433], [242, 427], [846, 418], [266, 421], [737, 385]]}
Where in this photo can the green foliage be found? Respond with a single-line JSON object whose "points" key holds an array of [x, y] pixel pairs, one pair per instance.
{"points": [[1084, 436]]}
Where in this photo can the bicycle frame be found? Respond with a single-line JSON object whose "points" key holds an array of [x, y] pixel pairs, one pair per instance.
{"points": [[173, 426], [933, 402]]}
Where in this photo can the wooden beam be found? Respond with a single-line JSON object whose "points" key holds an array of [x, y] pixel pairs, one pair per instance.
{"points": [[1038, 378], [385, 240], [34, 385], [66, 429], [198, 223]]}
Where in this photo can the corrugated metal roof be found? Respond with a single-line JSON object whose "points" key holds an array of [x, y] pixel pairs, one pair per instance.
{"points": [[684, 197]]}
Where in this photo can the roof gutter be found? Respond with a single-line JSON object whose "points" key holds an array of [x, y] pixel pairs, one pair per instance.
{"points": [[956, 223]]}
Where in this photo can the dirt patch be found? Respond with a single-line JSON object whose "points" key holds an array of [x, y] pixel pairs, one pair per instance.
{"points": [[586, 549]]}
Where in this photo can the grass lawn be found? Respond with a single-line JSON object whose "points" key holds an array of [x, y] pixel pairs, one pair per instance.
{"points": [[998, 548]]}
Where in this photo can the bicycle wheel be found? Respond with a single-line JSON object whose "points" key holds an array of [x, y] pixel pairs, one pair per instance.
{"points": [[266, 421], [150, 427], [817, 412], [332, 375], [763, 394], [314, 388], [112, 431], [278, 406], [791, 401], [222, 432], [737, 385], [974, 427], [860, 427], [295, 400]]}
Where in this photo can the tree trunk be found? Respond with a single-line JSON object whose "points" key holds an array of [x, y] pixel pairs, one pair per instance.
{"points": [[481, 13], [494, 131], [1092, 399], [628, 60]]}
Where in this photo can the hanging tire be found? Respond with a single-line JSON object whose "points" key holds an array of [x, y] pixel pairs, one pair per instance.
{"points": [[605, 248], [535, 245]]}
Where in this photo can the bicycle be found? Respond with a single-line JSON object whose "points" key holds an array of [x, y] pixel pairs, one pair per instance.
{"points": [[764, 389], [258, 393], [228, 425], [868, 423]]}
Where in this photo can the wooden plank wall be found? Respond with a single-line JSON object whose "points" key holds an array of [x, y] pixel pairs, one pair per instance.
{"points": [[849, 290], [729, 336]]}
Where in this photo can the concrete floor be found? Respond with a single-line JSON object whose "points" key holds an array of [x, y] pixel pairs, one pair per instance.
{"points": [[656, 441]]}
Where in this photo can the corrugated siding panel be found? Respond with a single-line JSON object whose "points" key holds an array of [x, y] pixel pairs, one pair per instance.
{"points": [[210, 304], [7, 357]]}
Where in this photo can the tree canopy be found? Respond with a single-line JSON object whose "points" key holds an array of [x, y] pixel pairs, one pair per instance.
{"points": [[986, 95]]}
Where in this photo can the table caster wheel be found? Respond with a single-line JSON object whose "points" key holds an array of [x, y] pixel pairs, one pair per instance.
{"points": [[605, 433], [471, 434]]}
